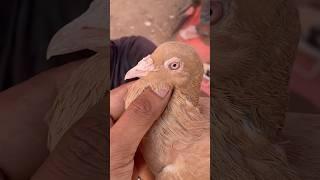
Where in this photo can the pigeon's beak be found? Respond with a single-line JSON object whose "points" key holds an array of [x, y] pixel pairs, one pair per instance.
{"points": [[141, 69]]}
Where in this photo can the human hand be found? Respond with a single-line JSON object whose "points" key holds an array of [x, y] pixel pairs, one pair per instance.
{"points": [[128, 130], [65, 155], [82, 154]]}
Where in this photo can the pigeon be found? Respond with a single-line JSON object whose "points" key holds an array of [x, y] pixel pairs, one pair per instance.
{"points": [[254, 46], [178, 144]]}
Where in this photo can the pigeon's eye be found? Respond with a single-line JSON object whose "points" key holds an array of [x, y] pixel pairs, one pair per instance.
{"points": [[174, 66]]}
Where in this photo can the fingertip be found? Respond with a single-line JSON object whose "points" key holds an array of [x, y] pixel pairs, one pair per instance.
{"points": [[163, 92], [140, 115], [117, 100], [150, 103]]}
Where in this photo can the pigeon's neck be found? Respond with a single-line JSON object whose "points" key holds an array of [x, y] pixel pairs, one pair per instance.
{"points": [[191, 94], [190, 90]]}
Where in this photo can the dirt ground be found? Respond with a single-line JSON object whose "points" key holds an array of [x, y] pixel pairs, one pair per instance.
{"points": [[154, 19]]}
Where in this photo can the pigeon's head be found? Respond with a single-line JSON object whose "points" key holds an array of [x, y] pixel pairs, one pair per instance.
{"points": [[173, 63]]}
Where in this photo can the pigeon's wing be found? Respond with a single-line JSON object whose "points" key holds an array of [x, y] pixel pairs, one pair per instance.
{"points": [[86, 86], [90, 27]]}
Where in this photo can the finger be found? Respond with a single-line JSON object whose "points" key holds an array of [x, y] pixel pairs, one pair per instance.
{"points": [[138, 118], [117, 103]]}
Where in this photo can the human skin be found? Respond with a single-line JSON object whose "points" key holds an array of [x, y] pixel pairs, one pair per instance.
{"points": [[23, 133], [81, 154], [131, 125]]}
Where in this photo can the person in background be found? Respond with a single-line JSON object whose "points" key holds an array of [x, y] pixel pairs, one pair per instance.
{"points": [[202, 29]]}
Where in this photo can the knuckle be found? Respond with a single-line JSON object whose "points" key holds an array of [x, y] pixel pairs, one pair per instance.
{"points": [[121, 157], [142, 106], [120, 150]]}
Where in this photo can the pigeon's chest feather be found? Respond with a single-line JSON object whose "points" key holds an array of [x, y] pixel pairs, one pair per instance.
{"points": [[178, 133], [179, 117]]}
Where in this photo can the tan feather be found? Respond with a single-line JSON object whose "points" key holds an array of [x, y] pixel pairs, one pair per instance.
{"points": [[177, 145]]}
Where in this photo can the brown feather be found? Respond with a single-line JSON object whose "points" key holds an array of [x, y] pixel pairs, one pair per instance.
{"points": [[177, 145]]}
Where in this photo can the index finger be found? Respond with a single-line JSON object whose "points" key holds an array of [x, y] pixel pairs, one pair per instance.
{"points": [[117, 103]]}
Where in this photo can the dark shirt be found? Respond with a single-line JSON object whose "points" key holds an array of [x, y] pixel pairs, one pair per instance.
{"points": [[26, 28], [125, 53]]}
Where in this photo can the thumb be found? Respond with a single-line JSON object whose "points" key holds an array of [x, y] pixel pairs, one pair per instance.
{"points": [[126, 134]]}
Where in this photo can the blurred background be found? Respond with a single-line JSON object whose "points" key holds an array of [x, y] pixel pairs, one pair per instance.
{"points": [[26, 29], [305, 77], [161, 21], [187, 21], [28, 26]]}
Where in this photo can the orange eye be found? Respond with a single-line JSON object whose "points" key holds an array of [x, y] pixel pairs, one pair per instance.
{"points": [[174, 66]]}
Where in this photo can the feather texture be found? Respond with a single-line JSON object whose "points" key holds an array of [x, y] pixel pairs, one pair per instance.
{"points": [[177, 145]]}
